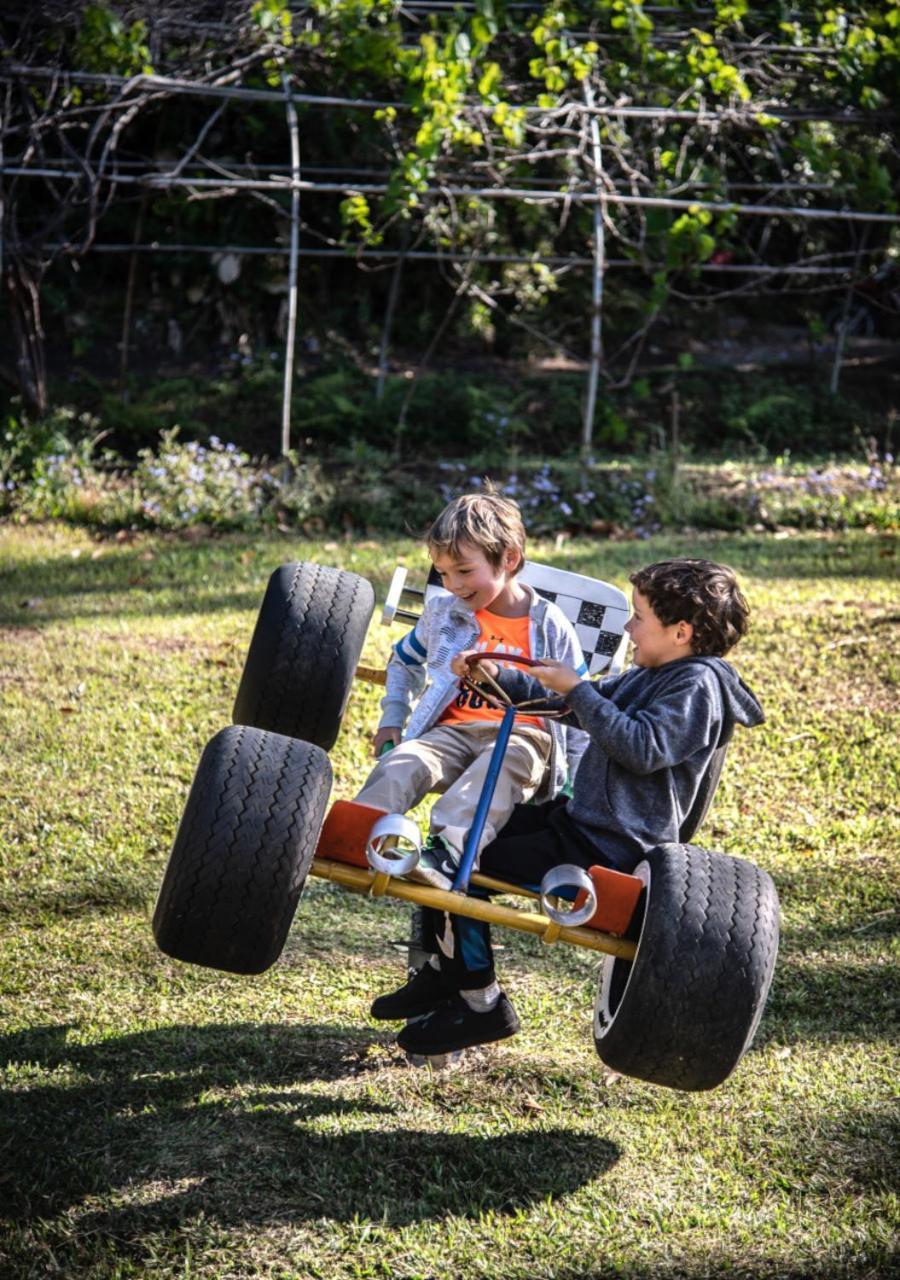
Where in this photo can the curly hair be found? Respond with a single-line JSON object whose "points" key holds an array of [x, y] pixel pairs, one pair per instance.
{"points": [[700, 592], [485, 520]]}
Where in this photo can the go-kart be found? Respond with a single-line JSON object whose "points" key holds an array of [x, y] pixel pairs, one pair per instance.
{"points": [[689, 941]]}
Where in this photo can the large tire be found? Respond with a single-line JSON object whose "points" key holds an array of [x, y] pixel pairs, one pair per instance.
{"points": [[685, 1010], [303, 654], [242, 851]]}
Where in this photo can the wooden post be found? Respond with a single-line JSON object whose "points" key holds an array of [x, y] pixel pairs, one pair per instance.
{"points": [[845, 314], [389, 318], [587, 430], [292, 276], [125, 344]]}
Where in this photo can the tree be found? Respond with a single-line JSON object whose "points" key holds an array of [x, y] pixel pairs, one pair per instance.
{"points": [[468, 132]]}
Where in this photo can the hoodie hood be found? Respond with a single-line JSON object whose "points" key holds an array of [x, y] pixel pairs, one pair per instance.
{"points": [[739, 702]]}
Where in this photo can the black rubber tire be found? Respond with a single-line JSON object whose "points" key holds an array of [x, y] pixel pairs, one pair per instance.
{"points": [[243, 850], [685, 1010], [303, 654]]}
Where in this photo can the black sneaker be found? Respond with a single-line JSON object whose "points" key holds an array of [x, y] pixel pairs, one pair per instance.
{"points": [[435, 867], [457, 1026], [423, 992]]}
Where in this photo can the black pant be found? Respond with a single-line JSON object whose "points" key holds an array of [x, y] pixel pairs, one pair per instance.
{"points": [[537, 838]]}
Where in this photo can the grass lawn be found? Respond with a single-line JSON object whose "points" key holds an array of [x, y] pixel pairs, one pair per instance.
{"points": [[167, 1121]]}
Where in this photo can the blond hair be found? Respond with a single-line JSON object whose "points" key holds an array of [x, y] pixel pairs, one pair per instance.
{"points": [[484, 520]]}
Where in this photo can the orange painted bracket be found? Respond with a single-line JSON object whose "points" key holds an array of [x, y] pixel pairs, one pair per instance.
{"points": [[345, 833], [617, 897]]}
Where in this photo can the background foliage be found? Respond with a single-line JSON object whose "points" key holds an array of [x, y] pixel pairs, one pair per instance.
{"points": [[789, 108]]}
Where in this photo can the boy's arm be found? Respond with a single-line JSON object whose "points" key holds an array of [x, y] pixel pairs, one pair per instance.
{"points": [[564, 645], [522, 687], [682, 720], [405, 677]]}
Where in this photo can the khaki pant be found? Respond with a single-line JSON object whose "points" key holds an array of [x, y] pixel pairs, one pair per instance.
{"points": [[454, 761]]}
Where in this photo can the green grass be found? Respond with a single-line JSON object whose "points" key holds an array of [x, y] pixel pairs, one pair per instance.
{"points": [[160, 1120]]}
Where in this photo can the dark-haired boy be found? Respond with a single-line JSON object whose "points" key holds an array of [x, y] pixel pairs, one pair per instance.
{"points": [[653, 731]]}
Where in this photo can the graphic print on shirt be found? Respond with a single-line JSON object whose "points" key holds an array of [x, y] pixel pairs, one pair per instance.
{"points": [[503, 635]]}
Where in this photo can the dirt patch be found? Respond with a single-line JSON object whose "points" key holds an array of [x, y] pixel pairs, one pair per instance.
{"points": [[18, 634]]}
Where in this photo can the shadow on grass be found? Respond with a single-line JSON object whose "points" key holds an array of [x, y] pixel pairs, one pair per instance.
{"points": [[803, 555], [169, 1124], [98, 895], [63, 588], [208, 576], [855, 1000]]}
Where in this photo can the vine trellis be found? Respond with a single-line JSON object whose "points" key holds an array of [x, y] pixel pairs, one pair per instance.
{"points": [[65, 128]]}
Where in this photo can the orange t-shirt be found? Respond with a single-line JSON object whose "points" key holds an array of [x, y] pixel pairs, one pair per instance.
{"points": [[509, 634]]}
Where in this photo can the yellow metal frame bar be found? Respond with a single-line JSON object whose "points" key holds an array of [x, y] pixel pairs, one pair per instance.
{"points": [[358, 880]]}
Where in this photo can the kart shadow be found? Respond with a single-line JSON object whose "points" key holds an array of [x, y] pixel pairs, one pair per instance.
{"points": [[230, 1122]]}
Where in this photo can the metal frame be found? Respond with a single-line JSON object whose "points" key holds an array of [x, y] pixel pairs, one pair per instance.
{"points": [[378, 884]]}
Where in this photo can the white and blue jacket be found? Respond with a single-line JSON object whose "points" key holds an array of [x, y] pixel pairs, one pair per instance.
{"points": [[421, 661]]}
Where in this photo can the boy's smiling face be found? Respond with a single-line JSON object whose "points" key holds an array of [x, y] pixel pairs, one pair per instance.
{"points": [[472, 578], [654, 643]]}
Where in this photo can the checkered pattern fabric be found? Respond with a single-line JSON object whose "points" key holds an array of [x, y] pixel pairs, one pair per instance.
{"points": [[597, 610]]}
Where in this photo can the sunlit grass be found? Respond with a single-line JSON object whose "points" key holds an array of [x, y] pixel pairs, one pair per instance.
{"points": [[170, 1121]]}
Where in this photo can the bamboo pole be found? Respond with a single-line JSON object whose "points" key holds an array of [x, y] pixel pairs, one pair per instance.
{"points": [[845, 315], [171, 84], [130, 284], [123, 165], [359, 880], [393, 295]]}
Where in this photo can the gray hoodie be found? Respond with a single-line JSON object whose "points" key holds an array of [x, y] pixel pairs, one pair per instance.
{"points": [[653, 732]]}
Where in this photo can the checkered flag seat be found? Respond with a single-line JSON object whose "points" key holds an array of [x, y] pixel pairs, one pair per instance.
{"points": [[597, 610]]}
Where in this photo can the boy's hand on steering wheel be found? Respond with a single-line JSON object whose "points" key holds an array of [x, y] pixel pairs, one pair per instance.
{"points": [[555, 675], [460, 666]]}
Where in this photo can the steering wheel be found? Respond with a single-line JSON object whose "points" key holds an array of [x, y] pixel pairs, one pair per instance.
{"points": [[500, 697]]}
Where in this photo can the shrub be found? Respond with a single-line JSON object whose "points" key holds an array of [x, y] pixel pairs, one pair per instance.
{"points": [[830, 497], [51, 469], [47, 475], [214, 484]]}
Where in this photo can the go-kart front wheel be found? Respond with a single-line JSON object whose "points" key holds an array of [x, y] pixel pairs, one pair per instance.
{"points": [[303, 654], [684, 1011], [243, 850]]}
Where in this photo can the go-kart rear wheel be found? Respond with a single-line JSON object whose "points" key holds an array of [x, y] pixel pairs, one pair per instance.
{"points": [[303, 654], [243, 850], [684, 1011]]}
